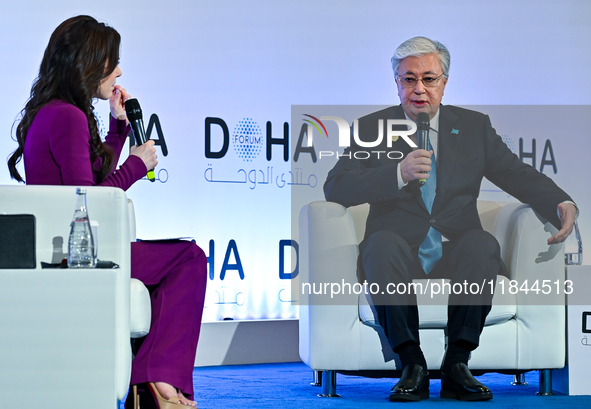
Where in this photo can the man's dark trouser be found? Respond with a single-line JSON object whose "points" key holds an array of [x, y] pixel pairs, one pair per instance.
{"points": [[473, 258]]}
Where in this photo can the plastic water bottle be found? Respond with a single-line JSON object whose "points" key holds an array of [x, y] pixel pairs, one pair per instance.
{"points": [[81, 243]]}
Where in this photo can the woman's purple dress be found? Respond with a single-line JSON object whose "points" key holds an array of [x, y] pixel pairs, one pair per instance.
{"points": [[57, 152]]}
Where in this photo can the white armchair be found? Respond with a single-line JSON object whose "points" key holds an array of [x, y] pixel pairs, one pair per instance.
{"points": [[518, 336], [64, 334]]}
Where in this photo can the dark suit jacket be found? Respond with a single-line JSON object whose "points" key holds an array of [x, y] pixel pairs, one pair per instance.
{"points": [[471, 152]]}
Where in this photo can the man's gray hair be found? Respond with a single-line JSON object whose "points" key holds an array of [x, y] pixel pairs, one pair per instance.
{"points": [[419, 47]]}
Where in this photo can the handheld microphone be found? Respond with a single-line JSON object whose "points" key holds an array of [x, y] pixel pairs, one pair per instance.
{"points": [[423, 125], [134, 115]]}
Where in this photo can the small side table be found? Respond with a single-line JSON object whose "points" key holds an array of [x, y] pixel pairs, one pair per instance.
{"points": [[57, 338], [574, 378]]}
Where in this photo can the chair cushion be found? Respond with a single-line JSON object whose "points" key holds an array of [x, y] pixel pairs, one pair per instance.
{"points": [[140, 311], [433, 309]]}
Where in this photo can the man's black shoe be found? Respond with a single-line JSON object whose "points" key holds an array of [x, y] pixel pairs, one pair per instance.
{"points": [[460, 384], [412, 386]]}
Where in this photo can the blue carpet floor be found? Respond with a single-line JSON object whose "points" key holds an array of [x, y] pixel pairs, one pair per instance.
{"points": [[287, 385]]}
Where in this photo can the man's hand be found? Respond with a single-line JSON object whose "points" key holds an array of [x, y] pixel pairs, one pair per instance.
{"points": [[414, 164], [567, 213]]}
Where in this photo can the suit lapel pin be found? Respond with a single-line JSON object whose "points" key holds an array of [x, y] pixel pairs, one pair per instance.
{"points": [[455, 131]]}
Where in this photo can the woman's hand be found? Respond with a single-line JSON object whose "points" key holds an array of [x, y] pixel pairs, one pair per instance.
{"points": [[117, 103], [146, 153]]}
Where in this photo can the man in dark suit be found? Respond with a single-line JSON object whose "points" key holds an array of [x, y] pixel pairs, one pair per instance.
{"points": [[433, 230]]}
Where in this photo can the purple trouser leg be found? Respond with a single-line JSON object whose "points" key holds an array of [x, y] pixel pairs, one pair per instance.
{"points": [[176, 274]]}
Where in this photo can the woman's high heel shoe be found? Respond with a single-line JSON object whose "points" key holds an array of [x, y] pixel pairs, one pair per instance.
{"points": [[171, 403], [132, 401], [147, 396]]}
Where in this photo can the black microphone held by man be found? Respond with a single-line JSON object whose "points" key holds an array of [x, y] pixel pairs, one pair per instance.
{"points": [[423, 125]]}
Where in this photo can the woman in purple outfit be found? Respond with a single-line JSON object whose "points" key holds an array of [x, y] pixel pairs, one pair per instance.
{"points": [[59, 139]]}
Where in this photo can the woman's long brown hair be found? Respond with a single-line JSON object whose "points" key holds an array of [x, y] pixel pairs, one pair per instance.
{"points": [[81, 52]]}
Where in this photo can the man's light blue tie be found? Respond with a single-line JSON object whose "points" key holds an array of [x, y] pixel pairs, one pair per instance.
{"points": [[431, 249]]}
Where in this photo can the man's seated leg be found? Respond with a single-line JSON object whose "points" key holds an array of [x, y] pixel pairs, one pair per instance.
{"points": [[386, 258], [472, 261]]}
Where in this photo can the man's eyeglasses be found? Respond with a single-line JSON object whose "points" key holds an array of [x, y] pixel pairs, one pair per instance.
{"points": [[411, 82]]}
